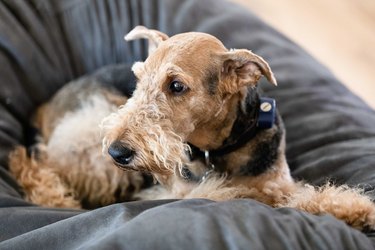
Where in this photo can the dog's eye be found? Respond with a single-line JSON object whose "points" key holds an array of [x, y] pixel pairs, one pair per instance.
{"points": [[177, 87]]}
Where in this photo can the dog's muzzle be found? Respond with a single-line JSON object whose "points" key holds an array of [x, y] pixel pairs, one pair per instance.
{"points": [[121, 154]]}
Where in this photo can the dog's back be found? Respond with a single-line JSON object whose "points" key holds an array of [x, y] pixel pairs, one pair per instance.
{"points": [[68, 158]]}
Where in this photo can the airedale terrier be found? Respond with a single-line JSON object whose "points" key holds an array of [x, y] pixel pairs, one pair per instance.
{"points": [[195, 122]]}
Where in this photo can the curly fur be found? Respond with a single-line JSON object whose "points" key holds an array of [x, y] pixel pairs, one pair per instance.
{"points": [[147, 127], [41, 182], [157, 125], [157, 122], [345, 203], [69, 169]]}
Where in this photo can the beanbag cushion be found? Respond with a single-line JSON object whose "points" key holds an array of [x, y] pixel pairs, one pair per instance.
{"points": [[330, 133]]}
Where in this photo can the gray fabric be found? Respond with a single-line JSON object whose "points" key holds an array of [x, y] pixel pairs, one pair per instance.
{"points": [[45, 43], [193, 224]]}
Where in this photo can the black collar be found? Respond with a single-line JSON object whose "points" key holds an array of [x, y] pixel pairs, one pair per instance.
{"points": [[256, 117]]}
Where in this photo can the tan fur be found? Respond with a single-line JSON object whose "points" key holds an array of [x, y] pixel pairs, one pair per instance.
{"points": [[41, 182], [345, 203], [156, 124], [69, 167]]}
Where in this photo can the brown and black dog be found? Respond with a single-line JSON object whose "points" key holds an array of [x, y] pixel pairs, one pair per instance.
{"points": [[195, 122]]}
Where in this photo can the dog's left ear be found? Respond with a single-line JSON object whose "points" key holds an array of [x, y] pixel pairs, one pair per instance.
{"points": [[154, 37], [243, 68]]}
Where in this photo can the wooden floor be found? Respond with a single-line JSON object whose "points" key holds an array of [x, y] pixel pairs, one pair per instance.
{"points": [[339, 33]]}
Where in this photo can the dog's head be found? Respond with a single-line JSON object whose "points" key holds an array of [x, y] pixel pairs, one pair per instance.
{"points": [[188, 91]]}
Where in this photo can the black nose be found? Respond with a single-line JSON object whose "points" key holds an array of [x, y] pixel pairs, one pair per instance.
{"points": [[120, 153]]}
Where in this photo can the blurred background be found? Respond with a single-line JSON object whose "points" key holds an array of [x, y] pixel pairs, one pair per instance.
{"points": [[339, 33]]}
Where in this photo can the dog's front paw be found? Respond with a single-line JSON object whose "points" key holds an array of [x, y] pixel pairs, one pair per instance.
{"points": [[347, 204], [362, 215]]}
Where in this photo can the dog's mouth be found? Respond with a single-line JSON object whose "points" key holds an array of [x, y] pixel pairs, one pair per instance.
{"points": [[125, 167]]}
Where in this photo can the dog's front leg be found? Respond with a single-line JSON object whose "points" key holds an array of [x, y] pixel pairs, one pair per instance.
{"points": [[347, 204]]}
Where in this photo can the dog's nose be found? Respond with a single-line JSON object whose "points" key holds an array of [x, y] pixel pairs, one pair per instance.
{"points": [[120, 153]]}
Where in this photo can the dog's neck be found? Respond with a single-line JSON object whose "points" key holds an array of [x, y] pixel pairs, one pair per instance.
{"points": [[243, 126]]}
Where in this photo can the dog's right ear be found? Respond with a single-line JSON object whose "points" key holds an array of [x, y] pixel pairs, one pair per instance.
{"points": [[154, 37], [241, 68]]}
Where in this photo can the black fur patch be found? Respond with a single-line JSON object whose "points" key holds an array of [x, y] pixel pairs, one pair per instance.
{"points": [[244, 128], [264, 155], [244, 119]]}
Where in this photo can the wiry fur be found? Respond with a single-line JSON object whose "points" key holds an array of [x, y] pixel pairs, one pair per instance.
{"points": [[43, 185], [167, 147], [68, 168], [157, 126], [348, 204], [217, 84]]}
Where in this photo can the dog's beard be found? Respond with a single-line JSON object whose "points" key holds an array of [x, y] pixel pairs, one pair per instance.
{"points": [[149, 132]]}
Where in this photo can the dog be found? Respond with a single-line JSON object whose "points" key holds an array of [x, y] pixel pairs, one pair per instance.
{"points": [[195, 122]]}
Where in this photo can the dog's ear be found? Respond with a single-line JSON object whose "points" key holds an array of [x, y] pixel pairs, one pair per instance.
{"points": [[138, 69], [243, 68], [154, 37]]}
